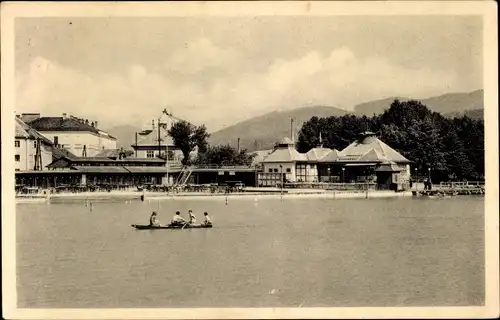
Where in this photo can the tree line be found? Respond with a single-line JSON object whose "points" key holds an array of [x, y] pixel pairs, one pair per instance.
{"points": [[451, 148]]}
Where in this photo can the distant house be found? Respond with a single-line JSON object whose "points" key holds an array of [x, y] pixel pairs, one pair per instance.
{"points": [[281, 164], [79, 136], [366, 160], [28, 144], [148, 146]]}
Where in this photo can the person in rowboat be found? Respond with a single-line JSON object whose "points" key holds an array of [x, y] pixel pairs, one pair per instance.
{"points": [[207, 220], [153, 221], [192, 217], [178, 220]]}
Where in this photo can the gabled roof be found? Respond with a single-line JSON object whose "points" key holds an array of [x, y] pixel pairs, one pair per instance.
{"points": [[24, 130], [315, 154], [368, 149], [61, 124], [285, 152], [65, 124], [331, 156], [58, 153], [285, 155], [260, 155], [150, 138]]}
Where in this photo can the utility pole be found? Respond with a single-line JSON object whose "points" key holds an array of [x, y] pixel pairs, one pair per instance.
{"points": [[38, 156], [159, 139], [136, 144]]}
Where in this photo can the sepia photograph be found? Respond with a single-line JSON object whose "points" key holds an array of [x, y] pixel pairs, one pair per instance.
{"points": [[238, 160]]}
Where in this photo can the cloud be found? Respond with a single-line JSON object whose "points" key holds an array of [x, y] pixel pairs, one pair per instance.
{"points": [[201, 54], [235, 93]]}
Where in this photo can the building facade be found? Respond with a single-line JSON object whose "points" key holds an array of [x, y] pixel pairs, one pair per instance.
{"points": [[365, 161], [79, 136], [155, 142], [32, 150]]}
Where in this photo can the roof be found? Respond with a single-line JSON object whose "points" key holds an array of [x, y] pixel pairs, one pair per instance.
{"points": [[150, 138], [65, 124], [260, 155], [58, 153], [285, 142], [315, 154], [108, 153], [147, 169], [388, 167], [285, 154], [368, 149], [24, 130], [331, 156], [108, 160], [100, 169]]}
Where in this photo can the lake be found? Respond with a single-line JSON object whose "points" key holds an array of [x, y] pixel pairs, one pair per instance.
{"points": [[260, 253]]}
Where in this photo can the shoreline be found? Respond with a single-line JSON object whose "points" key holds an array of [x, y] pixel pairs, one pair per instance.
{"points": [[193, 196]]}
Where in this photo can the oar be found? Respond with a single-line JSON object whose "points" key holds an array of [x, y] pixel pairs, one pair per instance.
{"points": [[185, 224]]}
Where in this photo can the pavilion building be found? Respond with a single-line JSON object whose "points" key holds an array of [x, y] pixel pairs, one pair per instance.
{"points": [[366, 160]]}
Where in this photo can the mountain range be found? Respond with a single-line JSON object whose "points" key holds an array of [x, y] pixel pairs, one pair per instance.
{"points": [[263, 131]]}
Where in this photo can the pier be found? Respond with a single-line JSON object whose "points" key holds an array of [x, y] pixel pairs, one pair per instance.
{"points": [[453, 188]]}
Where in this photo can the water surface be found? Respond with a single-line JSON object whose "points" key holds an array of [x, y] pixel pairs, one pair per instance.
{"points": [[265, 253]]}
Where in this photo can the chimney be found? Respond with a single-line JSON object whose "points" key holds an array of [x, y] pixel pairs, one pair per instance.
{"points": [[95, 123], [86, 121], [64, 115], [291, 131], [238, 145], [92, 124]]}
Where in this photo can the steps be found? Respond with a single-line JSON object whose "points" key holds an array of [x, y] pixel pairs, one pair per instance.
{"points": [[184, 175]]}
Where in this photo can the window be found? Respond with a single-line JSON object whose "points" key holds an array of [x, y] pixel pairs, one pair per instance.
{"points": [[288, 170], [56, 140], [17, 158], [17, 143], [34, 144], [275, 170], [150, 154], [270, 170]]}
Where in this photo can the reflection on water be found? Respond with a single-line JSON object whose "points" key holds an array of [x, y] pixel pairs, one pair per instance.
{"points": [[265, 253]]}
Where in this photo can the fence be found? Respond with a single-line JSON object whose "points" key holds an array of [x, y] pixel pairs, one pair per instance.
{"points": [[216, 166], [331, 186], [462, 185]]}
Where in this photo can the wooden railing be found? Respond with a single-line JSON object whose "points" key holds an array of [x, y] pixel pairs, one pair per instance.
{"points": [[331, 186], [462, 185], [217, 166]]}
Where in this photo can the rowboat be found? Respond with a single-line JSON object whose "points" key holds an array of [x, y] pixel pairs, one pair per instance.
{"points": [[187, 226]]}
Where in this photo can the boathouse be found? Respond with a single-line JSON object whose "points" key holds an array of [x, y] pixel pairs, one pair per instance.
{"points": [[366, 160]]}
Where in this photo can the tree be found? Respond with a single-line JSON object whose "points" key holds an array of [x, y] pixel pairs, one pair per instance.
{"points": [[453, 147], [171, 155], [187, 136], [224, 155]]}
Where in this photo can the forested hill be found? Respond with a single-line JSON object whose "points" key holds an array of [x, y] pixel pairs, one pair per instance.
{"points": [[450, 103], [451, 147], [264, 131]]}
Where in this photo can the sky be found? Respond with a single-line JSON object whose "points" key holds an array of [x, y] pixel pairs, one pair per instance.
{"points": [[221, 70]]}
